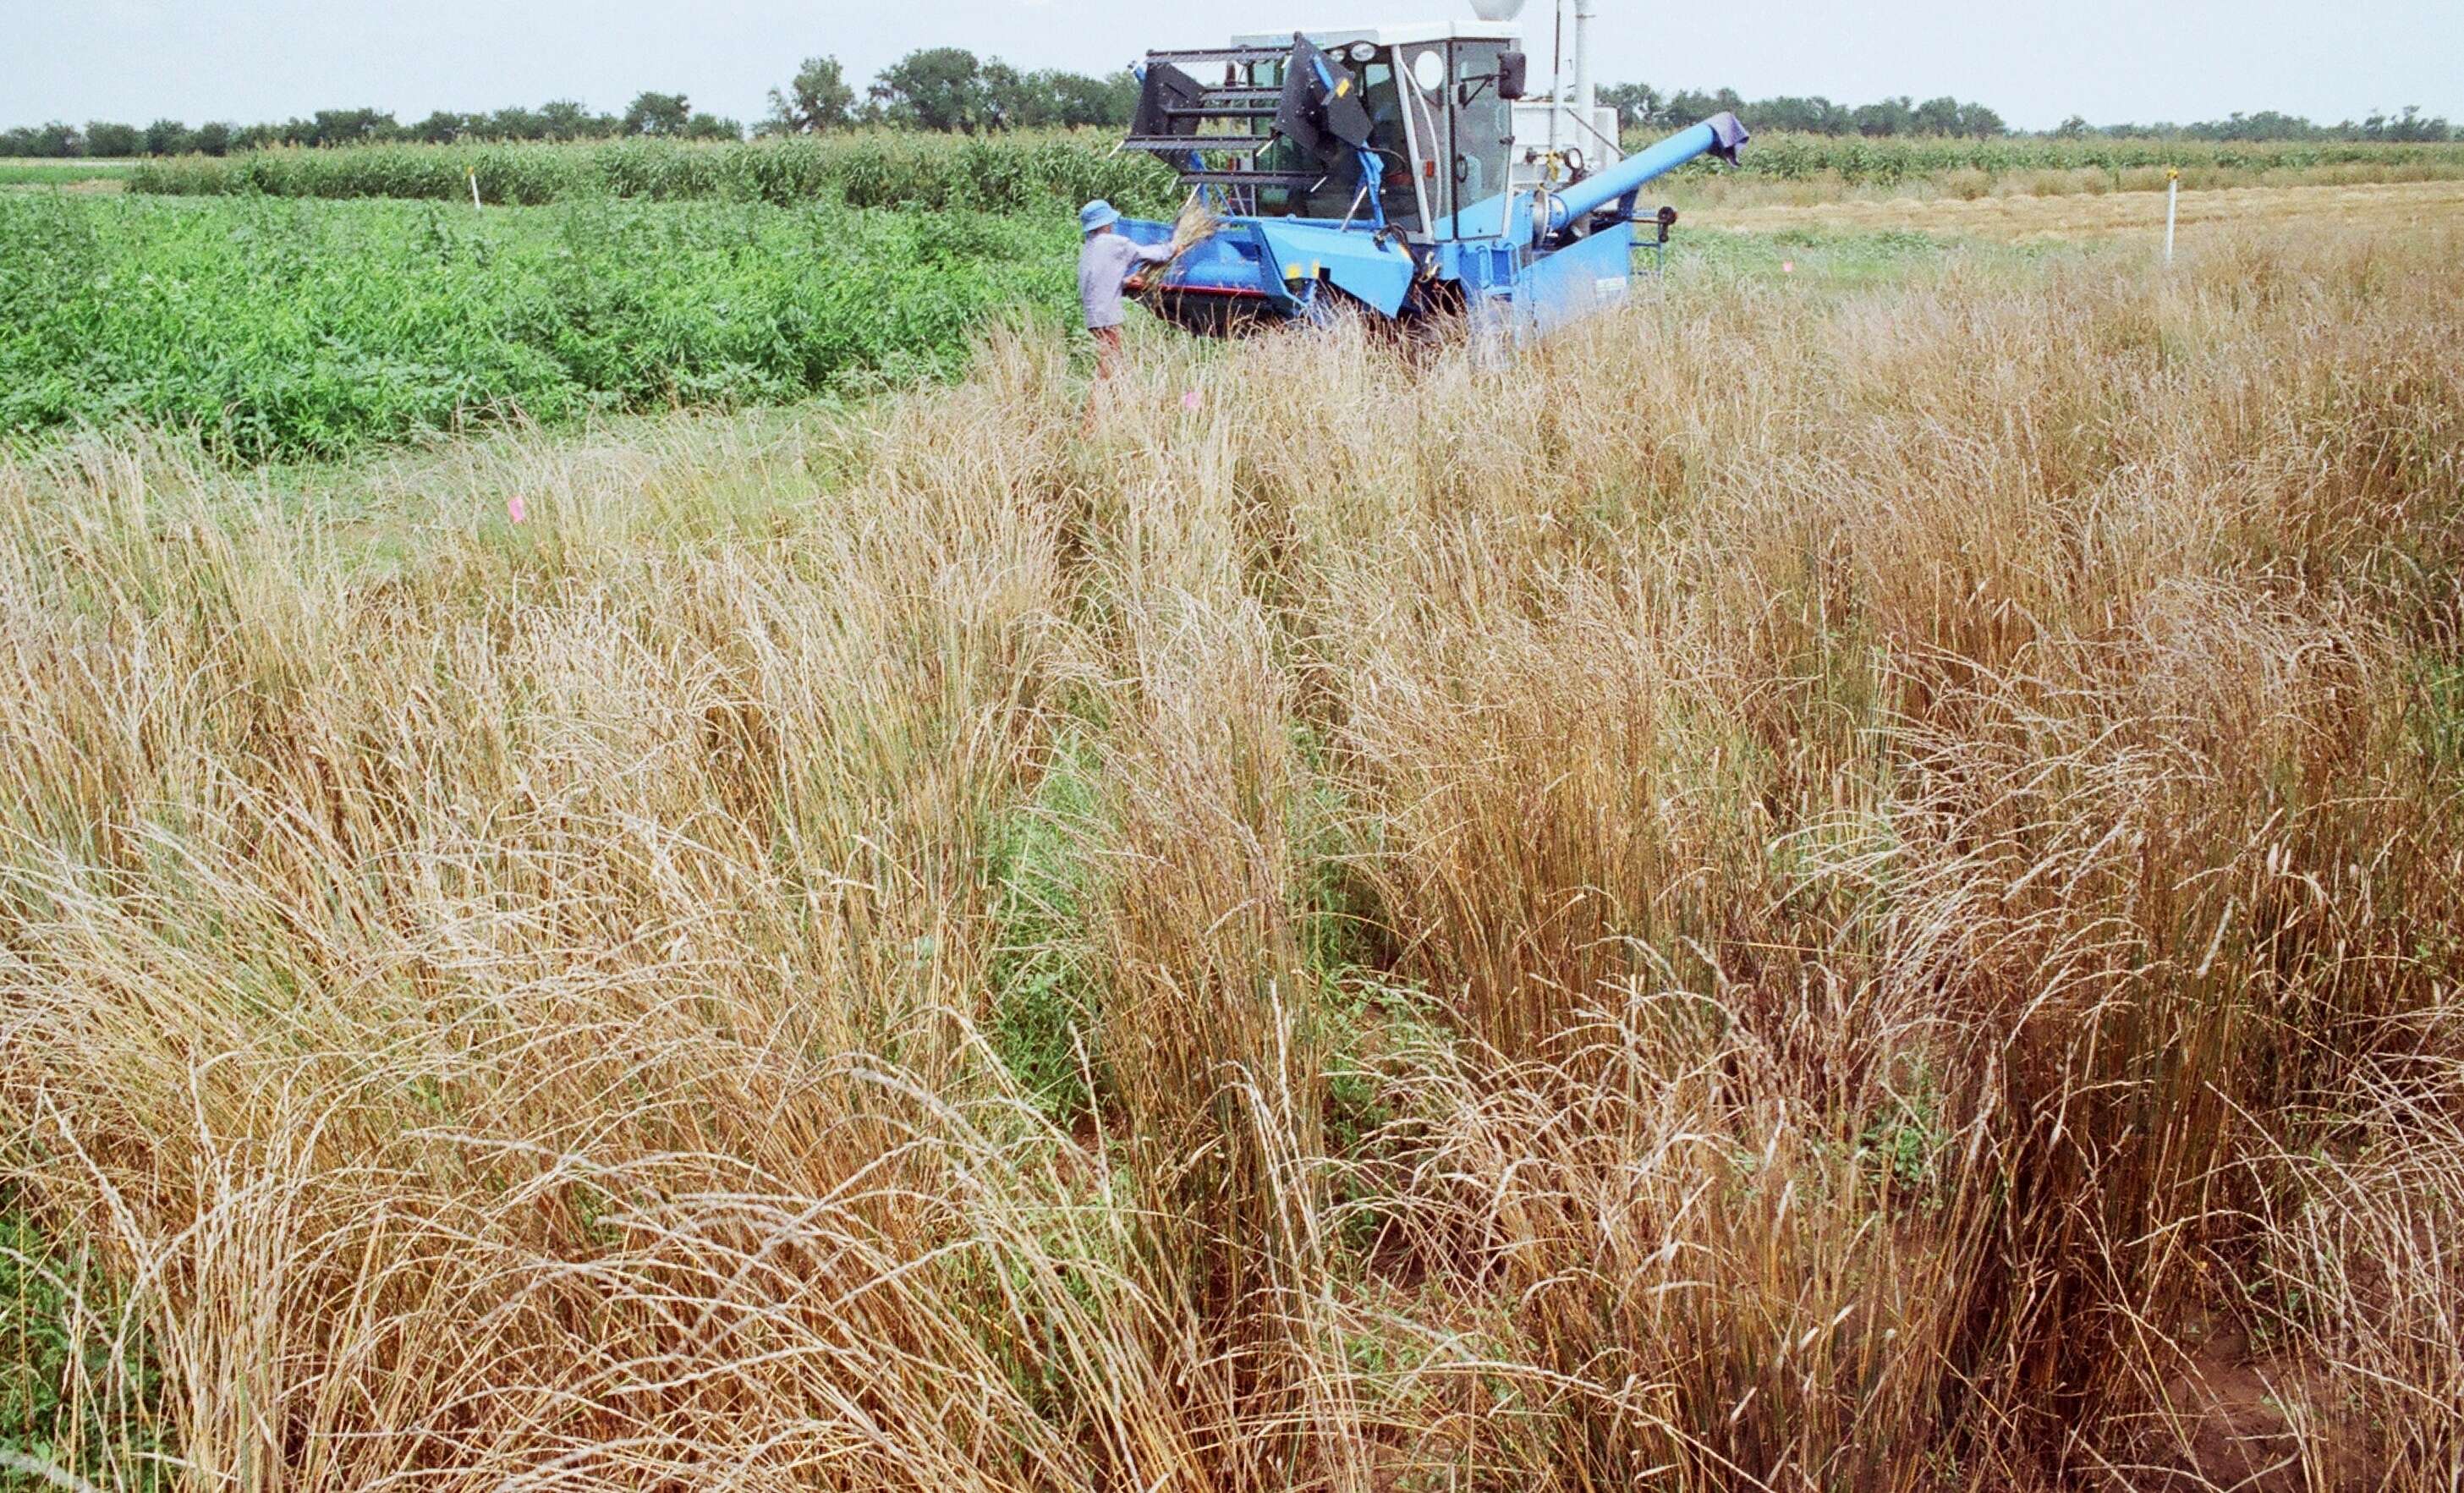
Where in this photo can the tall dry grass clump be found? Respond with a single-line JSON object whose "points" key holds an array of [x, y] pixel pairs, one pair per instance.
{"points": [[1799, 890]]}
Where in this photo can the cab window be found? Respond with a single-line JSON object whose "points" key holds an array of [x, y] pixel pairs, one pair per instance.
{"points": [[1333, 197], [1383, 96], [1484, 122]]}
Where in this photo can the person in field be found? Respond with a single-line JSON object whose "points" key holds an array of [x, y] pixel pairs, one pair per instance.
{"points": [[1104, 265]]}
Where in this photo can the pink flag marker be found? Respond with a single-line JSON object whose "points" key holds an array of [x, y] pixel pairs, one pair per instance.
{"points": [[515, 509], [1788, 267], [1189, 401]]}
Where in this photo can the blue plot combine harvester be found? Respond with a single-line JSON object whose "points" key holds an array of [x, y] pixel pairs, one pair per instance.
{"points": [[1401, 170]]}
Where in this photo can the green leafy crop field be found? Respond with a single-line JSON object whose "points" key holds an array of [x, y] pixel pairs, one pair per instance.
{"points": [[282, 329]]}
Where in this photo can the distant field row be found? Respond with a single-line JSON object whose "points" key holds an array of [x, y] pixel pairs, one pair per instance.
{"points": [[1023, 172], [880, 169], [1856, 162], [2413, 208], [16, 172]]}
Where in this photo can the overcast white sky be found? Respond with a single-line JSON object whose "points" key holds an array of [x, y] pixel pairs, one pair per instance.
{"points": [[2036, 61]]}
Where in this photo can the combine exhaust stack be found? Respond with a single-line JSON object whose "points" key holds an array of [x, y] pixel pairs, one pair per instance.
{"points": [[1381, 168]]}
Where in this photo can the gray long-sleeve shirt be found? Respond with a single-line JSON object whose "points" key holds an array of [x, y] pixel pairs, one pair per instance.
{"points": [[1102, 265]]}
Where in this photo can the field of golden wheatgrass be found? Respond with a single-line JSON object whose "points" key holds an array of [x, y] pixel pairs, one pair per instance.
{"points": [[1854, 890]]}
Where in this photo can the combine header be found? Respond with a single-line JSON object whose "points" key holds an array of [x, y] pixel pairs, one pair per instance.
{"points": [[1400, 170]]}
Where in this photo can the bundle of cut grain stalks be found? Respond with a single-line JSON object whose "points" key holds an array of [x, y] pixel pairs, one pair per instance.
{"points": [[1199, 221]]}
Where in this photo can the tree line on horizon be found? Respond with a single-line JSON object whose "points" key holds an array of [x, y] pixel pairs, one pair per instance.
{"points": [[951, 89]]}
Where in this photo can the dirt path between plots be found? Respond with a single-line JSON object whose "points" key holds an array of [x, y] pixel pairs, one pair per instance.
{"points": [[2022, 219]]}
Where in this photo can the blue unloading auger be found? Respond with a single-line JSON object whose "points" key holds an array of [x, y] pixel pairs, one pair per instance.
{"points": [[1723, 135], [1397, 171]]}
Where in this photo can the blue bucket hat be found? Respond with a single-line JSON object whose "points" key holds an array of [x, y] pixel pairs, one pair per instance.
{"points": [[1096, 214]]}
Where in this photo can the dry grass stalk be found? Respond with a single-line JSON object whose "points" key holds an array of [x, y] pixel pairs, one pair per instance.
{"points": [[1834, 893]]}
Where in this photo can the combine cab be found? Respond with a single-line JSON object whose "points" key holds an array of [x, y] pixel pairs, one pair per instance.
{"points": [[1400, 171]]}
